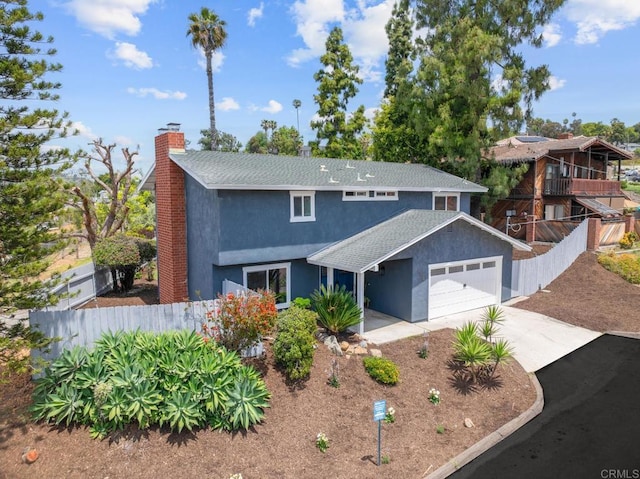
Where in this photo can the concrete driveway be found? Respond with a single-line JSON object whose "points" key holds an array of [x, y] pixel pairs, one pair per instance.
{"points": [[538, 340]]}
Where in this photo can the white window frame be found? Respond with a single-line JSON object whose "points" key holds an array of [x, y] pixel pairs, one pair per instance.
{"points": [[445, 196], [266, 268], [370, 195], [302, 194]]}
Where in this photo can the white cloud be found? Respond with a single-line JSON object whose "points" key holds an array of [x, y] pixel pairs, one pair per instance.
{"points": [[109, 17], [312, 18], [551, 34], [371, 112], [272, 107], [255, 13], [129, 54], [594, 18], [364, 31], [124, 141], [227, 104], [83, 130], [556, 83], [157, 94]]}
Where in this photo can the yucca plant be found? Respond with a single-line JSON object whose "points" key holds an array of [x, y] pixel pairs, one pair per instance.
{"points": [[471, 350], [337, 309], [501, 353], [491, 318]]}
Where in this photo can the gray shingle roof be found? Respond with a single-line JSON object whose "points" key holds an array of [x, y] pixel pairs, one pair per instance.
{"points": [[517, 152], [368, 248], [221, 170]]}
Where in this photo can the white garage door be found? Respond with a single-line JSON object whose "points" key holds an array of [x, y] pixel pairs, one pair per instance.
{"points": [[464, 285]]}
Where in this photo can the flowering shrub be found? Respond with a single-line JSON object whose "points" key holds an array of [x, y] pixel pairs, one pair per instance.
{"points": [[434, 396], [322, 442], [239, 321]]}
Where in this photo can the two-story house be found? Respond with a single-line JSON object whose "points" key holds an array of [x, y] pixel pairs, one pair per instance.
{"points": [[398, 234], [567, 180]]}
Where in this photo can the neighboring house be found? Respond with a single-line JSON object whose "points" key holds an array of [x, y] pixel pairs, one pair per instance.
{"points": [[567, 180], [398, 234]]}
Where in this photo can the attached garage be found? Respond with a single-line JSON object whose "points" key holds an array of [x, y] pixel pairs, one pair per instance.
{"points": [[464, 285], [424, 264]]}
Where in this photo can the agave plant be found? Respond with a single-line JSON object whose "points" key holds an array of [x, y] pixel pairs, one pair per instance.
{"points": [[336, 308], [181, 411], [143, 400], [246, 403]]}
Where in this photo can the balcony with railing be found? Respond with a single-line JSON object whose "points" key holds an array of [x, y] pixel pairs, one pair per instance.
{"points": [[581, 187]]}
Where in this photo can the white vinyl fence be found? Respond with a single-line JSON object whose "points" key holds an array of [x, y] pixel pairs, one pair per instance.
{"points": [[530, 275], [80, 285], [82, 327]]}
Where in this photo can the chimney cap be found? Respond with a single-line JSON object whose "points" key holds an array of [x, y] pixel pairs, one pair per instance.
{"points": [[173, 126]]}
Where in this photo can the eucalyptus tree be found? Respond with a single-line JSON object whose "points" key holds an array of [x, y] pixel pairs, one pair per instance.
{"points": [[337, 85], [31, 194], [207, 31]]}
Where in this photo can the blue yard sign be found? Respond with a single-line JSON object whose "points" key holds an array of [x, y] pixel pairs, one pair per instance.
{"points": [[379, 412]]}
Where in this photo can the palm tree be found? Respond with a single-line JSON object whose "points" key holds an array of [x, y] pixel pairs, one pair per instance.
{"points": [[208, 32], [297, 104]]}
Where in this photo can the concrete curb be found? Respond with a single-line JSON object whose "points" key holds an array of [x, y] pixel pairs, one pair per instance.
{"points": [[624, 334], [494, 438]]}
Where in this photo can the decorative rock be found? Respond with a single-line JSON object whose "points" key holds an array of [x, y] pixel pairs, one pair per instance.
{"points": [[375, 352], [468, 422], [30, 455], [332, 343], [360, 351], [344, 345], [363, 344]]}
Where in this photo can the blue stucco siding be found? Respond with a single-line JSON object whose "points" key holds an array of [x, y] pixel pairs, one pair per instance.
{"points": [[261, 219], [389, 289], [203, 228], [457, 242]]}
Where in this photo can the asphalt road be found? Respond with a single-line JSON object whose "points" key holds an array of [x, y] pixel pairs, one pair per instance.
{"points": [[590, 424]]}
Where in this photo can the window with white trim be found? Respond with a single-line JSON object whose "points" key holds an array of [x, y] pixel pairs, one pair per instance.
{"points": [[303, 206], [446, 202], [370, 195], [270, 277]]}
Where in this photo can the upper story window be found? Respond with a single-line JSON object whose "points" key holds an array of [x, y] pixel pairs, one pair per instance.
{"points": [[446, 202], [303, 206], [359, 195]]}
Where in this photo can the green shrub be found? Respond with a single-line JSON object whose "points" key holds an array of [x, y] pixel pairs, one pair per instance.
{"points": [[336, 308], [382, 370], [174, 378], [628, 240], [625, 265], [293, 348]]}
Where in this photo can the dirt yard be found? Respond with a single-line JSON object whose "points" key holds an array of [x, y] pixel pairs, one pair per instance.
{"points": [[283, 445]]}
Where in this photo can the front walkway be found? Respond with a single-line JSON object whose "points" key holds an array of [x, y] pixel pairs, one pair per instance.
{"points": [[538, 340]]}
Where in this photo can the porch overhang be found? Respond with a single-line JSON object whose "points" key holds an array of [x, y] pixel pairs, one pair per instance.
{"points": [[598, 208], [365, 251]]}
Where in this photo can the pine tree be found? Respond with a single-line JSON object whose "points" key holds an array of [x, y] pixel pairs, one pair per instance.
{"points": [[337, 84], [31, 197]]}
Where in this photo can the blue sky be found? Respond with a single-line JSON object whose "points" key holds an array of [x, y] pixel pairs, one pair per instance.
{"points": [[129, 68]]}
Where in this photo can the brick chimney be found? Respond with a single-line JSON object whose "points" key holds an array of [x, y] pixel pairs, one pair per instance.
{"points": [[567, 135], [171, 217]]}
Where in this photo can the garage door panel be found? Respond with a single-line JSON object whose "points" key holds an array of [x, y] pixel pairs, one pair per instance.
{"points": [[463, 287]]}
